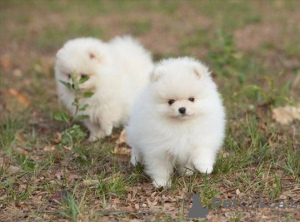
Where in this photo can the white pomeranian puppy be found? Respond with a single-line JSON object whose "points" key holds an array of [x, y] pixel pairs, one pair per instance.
{"points": [[177, 121], [117, 71]]}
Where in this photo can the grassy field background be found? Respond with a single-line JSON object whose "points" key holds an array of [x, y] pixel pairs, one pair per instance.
{"points": [[253, 50]]}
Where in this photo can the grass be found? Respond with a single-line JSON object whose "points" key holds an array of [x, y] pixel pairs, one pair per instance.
{"points": [[50, 172]]}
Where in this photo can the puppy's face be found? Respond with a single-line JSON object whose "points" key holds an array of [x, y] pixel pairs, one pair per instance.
{"points": [[181, 108], [85, 81], [79, 63], [179, 90]]}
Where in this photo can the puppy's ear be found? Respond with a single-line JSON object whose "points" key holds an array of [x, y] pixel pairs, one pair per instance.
{"points": [[155, 75], [201, 71], [93, 55], [59, 53]]}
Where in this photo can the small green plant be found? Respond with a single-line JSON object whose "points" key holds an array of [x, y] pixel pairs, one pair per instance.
{"points": [[223, 55], [69, 207], [270, 95], [74, 133]]}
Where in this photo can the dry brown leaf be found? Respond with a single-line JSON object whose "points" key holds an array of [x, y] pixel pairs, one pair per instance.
{"points": [[21, 151], [21, 98], [17, 72], [90, 182], [121, 148], [49, 148], [14, 169], [59, 175], [58, 138], [39, 179], [294, 194], [73, 177], [137, 206], [3, 197], [59, 196], [121, 151], [5, 63], [20, 137], [286, 115], [122, 138], [68, 147], [224, 154]]}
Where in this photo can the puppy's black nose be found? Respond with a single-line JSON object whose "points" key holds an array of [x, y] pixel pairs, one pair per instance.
{"points": [[182, 110], [73, 86]]}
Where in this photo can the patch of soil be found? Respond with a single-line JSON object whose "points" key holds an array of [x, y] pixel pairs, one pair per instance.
{"points": [[253, 36]]}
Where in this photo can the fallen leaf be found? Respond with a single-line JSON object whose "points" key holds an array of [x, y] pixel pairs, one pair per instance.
{"points": [[21, 151], [90, 182], [59, 196], [73, 177], [121, 151], [293, 193], [121, 146], [14, 169], [59, 175], [39, 179], [49, 148], [287, 114], [224, 154], [58, 138], [68, 147], [3, 197], [21, 98], [5, 63], [137, 206], [122, 138], [20, 137], [17, 72]]}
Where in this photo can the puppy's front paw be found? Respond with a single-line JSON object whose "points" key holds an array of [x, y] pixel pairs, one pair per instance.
{"points": [[186, 171], [93, 138], [106, 131], [162, 183], [204, 167]]}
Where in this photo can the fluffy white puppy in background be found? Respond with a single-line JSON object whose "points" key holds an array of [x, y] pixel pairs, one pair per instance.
{"points": [[177, 121], [117, 72]]}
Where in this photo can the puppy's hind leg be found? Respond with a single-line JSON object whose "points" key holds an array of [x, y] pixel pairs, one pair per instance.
{"points": [[94, 129], [136, 157]]}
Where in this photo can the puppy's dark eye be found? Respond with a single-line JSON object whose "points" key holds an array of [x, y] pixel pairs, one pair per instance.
{"points": [[171, 101], [192, 99], [83, 75], [69, 76]]}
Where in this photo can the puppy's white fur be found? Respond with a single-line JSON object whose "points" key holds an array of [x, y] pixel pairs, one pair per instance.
{"points": [[117, 71], [161, 137]]}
